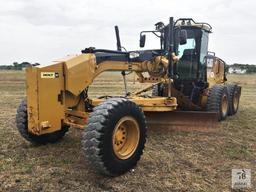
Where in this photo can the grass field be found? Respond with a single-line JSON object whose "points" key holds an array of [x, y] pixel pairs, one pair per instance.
{"points": [[173, 161]]}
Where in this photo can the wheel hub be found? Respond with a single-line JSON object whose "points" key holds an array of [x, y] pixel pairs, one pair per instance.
{"points": [[224, 104], [120, 137], [235, 101], [125, 137]]}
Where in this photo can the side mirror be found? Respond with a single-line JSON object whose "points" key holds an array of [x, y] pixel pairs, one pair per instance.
{"points": [[142, 40], [183, 37]]}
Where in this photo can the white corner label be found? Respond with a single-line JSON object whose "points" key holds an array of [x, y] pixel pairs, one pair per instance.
{"points": [[241, 178]]}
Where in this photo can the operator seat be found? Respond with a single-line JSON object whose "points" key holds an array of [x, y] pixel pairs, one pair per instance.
{"points": [[187, 65]]}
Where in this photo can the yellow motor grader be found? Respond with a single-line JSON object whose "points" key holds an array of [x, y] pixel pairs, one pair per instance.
{"points": [[182, 74]]}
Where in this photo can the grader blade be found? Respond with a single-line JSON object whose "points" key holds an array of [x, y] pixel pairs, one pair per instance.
{"points": [[182, 121]]}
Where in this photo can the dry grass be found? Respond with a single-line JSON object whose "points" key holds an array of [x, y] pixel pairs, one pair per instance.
{"points": [[177, 161]]}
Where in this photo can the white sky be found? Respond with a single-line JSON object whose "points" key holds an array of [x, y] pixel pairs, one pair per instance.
{"points": [[44, 30]]}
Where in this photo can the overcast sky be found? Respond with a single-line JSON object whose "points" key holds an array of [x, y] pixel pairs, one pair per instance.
{"points": [[44, 30]]}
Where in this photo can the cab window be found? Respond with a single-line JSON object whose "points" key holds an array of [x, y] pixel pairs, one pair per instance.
{"points": [[187, 65], [191, 44]]}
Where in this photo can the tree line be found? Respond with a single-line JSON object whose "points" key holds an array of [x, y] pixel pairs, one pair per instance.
{"points": [[17, 66]]}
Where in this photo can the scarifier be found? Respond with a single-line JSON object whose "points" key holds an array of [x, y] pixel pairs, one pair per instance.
{"points": [[186, 81]]}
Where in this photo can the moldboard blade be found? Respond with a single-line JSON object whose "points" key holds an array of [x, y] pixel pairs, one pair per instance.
{"points": [[182, 121]]}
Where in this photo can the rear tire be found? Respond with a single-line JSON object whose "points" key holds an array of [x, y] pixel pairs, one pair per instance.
{"points": [[218, 101], [234, 92], [22, 125], [107, 147]]}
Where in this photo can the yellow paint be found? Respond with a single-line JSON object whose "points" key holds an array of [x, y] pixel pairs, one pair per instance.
{"points": [[53, 92], [42, 96], [215, 75]]}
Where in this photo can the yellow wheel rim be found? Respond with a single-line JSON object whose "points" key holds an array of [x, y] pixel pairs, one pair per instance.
{"points": [[235, 101], [224, 104], [125, 138]]}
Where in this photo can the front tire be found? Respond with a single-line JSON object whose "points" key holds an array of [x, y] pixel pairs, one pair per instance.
{"points": [[218, 101], [115, 136], [22, 125]]}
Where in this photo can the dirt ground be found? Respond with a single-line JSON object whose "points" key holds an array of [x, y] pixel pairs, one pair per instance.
{"points": [[172, 161]]}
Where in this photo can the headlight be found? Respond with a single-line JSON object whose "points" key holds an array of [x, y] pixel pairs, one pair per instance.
{"points": [[133, 55]]}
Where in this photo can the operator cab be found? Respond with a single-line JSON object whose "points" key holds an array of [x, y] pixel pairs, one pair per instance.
{"points": [[191, 69], [192, 54], [189, 41]]}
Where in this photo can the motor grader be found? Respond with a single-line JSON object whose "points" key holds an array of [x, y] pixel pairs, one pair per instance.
{"points": [[182, 75]]}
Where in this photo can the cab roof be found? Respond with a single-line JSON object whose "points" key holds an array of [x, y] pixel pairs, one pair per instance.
{"points": [[189, 22]]}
